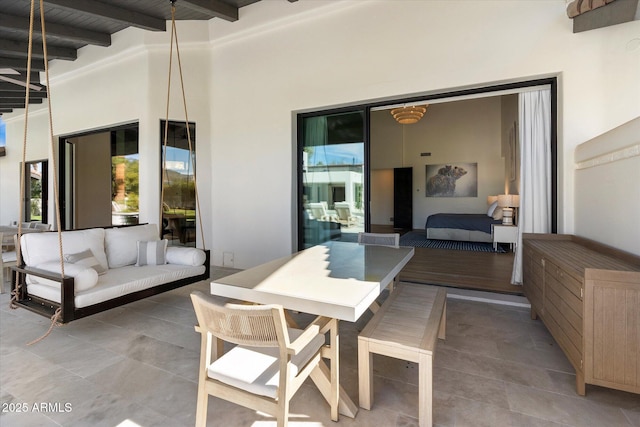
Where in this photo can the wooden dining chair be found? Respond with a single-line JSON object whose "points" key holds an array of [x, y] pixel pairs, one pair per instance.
{"points": [[266, 367], [8, 259]]}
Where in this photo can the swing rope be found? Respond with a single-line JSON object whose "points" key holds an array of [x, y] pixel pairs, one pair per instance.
{"points": [[16, 291], [174, 36]]}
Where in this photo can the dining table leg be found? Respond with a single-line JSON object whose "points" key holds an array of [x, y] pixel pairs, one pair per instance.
{"points": [[322, 377]]}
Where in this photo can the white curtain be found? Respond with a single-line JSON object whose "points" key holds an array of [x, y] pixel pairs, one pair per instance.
{"points": [[534, 214]]}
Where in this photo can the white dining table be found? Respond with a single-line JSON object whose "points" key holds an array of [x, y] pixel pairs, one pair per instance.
{"points": [[337, 280]]}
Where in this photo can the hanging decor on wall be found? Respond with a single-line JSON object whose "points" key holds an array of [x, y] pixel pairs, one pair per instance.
{"points": [[452, 180], [409, 115]]}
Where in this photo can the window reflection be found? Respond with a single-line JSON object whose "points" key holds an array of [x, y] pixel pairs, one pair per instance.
{"points": [[332, 177], [35, 191], [178, 184]]}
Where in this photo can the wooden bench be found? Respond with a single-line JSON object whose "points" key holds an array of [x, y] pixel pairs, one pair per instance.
{"points": [[406, 327]]}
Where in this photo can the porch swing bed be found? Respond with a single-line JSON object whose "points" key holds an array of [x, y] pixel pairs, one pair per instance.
{"points": [[67, 275], [103, 268]]}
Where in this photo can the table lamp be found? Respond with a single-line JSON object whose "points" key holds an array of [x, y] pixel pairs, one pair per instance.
{"points": [[507, 202]]}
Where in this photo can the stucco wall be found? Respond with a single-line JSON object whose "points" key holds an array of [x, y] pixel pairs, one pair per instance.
{"points": [[251, 76]]}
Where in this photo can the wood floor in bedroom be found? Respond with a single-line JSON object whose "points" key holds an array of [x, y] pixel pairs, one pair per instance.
{"points": [[486, 271]]}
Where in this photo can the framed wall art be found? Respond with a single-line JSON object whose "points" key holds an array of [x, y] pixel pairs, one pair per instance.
{"points": [[452, 180]]}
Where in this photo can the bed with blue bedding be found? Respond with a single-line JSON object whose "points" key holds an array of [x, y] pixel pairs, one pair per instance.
{"points": [[463, 227]]}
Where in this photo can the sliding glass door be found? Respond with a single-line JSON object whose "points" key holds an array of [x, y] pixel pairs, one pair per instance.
{"points": [[331, 177]]}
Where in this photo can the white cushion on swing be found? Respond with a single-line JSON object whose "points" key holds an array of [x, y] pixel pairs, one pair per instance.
{"points": [[185, 256], [120, 281], [121, 244], [83, 277], [40, 248]]}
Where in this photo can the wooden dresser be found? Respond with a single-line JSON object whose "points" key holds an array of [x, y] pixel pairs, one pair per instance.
{"points": [[588, 296]]}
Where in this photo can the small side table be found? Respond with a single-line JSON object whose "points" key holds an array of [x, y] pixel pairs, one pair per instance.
{"points": [[504, 234]]}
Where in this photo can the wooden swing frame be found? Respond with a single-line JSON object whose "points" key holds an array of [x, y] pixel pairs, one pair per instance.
{"points": [[66, 311]]}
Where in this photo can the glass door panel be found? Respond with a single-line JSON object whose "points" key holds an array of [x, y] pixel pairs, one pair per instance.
{"points": [[332, 177], [178, 181], [35, 191]]}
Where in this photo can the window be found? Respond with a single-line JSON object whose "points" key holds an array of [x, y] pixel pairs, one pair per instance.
{"points": [[35, 191], [125, 177], [178, 183], [331, 177], [99, 178]]}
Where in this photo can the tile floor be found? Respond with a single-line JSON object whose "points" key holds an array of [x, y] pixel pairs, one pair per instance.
{"points": [[137, 366]]}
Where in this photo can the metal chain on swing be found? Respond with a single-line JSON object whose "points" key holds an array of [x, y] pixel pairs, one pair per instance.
{"points": [[17, 285], [174, 35]]}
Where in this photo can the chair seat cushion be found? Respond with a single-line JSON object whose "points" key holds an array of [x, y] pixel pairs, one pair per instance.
{"points": [[9, 256], [256, 369]]}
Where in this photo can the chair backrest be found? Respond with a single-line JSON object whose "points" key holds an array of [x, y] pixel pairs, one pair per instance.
{"points": [[318, 210], [7, 240], [42, 227], [250, 325], [343, 209], [380, 239]]}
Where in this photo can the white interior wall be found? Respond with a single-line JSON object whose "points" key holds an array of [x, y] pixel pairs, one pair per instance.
{"points": [[332, 53], [382, 196]]}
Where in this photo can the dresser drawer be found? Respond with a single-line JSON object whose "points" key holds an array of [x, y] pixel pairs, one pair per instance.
{"points": [[569, 282], [565, 316]]}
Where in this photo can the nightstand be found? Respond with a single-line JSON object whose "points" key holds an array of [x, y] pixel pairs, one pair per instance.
{"points": [[504, 234]]}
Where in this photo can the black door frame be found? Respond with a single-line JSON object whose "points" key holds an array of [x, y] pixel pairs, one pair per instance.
{"points": [[366, 107]]}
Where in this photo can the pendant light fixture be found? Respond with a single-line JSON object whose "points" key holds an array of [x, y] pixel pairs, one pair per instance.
{"points": [[409, 115]]}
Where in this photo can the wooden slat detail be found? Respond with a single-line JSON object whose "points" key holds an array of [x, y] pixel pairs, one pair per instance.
{"points": [[590, 304], [572, 284], [614, 324], [566, 319], [566, 302], [574, 354]]}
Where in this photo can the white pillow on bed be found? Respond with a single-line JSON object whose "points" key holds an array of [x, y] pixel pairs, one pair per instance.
{"points": [[497, 213], [492, 208]]}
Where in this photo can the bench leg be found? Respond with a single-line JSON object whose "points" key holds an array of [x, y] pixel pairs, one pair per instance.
{"points": [[425, 390], [365, 374], [443, 322]]}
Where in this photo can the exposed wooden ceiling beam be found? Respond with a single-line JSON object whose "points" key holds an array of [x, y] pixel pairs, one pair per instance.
{"points": [[18, 103], [20, 64], [11, 87], [64, 32], [116, 13], [20, 49], [8, 94], [215, 8]]}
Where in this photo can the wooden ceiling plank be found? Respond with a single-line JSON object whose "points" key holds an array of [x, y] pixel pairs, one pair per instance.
{"points": [[20, 49], [20, 64], [115, 13], [11, 87], [19, 104], [8, 94], [66, 32], [214, 8]]}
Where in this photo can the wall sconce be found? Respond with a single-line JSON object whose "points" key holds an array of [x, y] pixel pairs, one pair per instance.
{"points": [[507, 202]]}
